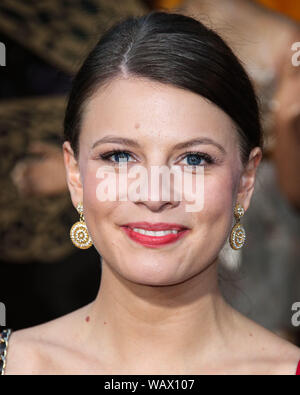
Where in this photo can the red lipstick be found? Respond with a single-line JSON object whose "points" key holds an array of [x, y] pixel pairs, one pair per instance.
{"points": [[154, 241]]}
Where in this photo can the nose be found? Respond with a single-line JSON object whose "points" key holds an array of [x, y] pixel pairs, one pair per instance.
{"points": [[159, 206], [157, 188]]}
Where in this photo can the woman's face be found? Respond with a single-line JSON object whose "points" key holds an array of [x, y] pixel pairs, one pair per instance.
{"points": [[156, 118]]}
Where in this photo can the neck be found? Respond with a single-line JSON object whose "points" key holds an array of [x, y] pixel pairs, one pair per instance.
{"points": [[154, 328]]}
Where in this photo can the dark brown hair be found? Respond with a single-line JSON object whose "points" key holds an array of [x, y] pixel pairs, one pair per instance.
{"points": [[173, 49]]}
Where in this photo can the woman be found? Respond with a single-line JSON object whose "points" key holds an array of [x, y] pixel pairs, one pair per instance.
{"points": [[159, 90]]}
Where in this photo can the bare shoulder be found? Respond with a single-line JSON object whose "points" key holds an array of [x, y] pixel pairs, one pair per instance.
{"points": [[37, 350], [265, 351]]}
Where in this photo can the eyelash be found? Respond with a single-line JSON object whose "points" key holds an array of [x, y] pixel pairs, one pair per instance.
{"points": [[209, 159]]}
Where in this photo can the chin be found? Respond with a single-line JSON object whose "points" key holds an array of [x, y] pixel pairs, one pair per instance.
{"points": [[149, 272]]}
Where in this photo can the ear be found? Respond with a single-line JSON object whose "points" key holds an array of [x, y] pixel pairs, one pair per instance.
{"points": [[73, 174], [247, 180]]}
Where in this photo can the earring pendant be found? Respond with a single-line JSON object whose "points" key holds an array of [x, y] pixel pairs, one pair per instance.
{"points": [[238, 233], [79, 233]]}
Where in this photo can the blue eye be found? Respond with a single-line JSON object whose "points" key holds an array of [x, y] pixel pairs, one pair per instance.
{"points": [[194, 159], [197, 159], [121, 157], [118, 155]]}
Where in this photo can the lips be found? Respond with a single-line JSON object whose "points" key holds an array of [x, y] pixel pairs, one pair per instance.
{"points": [[154, 241]]}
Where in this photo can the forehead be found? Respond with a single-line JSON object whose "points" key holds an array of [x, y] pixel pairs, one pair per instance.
{"points": [[149, 110]]}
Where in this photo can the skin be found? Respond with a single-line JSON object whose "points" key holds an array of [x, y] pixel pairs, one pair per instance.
{"points": [[158, 311]]}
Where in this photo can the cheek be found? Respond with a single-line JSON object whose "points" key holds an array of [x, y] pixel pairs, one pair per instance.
{"points": [[89, 184], [218, 201], [95, 210], [219, 192]]}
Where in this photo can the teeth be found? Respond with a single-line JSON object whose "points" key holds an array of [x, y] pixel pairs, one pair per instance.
{"points": [[152, 233]]}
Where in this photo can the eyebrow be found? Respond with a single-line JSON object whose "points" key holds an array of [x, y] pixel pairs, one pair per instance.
{"points": [[117, 140], [197, 141], [134, 143]]}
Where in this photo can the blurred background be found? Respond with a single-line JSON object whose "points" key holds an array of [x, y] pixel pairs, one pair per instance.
{"points": [[42, 275]]}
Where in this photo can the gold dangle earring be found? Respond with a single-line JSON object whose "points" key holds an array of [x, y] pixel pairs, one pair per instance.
{"points": [[79, 234], [238, 234]]}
